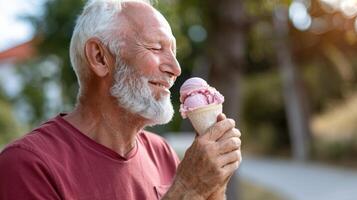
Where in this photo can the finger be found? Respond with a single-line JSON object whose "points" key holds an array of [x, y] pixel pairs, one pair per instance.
{"points": [[221, 117], [228, 145], [228, 158], [218, 129], [231, 133], [231, 167]]}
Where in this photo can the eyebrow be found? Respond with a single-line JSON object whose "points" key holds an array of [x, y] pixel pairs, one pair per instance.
{"points": [[160, 40]]}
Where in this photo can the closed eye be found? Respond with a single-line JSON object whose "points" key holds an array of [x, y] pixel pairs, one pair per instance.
{"points": [[155, 49]]}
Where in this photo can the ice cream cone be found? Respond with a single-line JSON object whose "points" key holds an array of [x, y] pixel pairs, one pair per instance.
{"points": [[204, 117]]}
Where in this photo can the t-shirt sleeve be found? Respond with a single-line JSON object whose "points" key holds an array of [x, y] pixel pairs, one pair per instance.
{"points": [[25, 176]]}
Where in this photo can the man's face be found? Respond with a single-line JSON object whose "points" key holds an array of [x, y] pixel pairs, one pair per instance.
{"points": [[150, 48], [148, 55]]}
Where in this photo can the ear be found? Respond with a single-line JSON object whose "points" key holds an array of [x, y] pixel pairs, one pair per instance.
{"points": [[98, 57]]}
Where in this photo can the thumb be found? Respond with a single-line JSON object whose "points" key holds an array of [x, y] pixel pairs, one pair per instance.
{"points": [[221, 117]]}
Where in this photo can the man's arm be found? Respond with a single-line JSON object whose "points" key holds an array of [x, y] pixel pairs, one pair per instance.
{"points": [[25, 176], [208, 164]]}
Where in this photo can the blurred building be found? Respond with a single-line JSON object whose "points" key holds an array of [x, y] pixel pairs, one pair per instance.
{"points": [[10, 82], [17, 53]]}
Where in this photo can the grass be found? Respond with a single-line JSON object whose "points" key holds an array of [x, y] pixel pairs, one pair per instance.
{"points": [[250, 191]]}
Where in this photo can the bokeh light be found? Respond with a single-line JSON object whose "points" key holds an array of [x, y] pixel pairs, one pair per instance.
{"points": [[197, 33], [299, 16], [349, 7]]}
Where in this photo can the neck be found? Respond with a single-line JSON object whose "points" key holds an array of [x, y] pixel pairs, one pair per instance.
{"points": [[107, 123]]}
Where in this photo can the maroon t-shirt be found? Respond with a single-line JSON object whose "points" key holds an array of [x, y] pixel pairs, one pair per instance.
{"points": [[57, 161]]}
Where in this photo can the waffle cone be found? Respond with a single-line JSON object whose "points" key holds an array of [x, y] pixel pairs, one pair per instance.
{"points": [[203, 118]]}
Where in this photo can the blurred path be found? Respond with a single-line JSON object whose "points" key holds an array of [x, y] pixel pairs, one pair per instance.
{"points": [[293, 180], [301, 181]]}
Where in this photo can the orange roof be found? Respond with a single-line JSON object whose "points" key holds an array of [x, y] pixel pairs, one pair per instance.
{"points": [[20, 52]]}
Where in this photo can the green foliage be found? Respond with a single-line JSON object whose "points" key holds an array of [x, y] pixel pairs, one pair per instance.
{"points": [[55, 28], [260, 7], [263, 115], [342, 150], [259, 54], [9, 129], [52, 65], [37, 78], [318, 76]]}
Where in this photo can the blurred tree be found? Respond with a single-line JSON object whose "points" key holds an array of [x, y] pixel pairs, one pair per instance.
{"points": [[9, 128], [227, 29], [296, 111], [263, 114], [50, 85], [327, 42], [226, 23]]}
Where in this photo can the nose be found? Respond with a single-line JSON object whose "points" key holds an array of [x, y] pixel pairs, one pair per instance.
{"points": [[171, 65]]}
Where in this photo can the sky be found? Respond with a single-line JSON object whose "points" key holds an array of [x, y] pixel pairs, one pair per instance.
{"points": [[13, 30]]}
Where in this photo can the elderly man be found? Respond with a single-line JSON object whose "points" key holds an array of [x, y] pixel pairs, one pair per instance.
{"points": [[123, 53]]}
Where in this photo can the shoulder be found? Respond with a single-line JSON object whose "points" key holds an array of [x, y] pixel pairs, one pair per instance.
{"points": [[18, 155], [37, 139], [41, 142], [28, 143], [22, 153], [19, 163], [25, 170], [31, 145]]}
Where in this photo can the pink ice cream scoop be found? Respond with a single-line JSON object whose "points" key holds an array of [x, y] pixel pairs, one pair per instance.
{"points": [[196, 93]]}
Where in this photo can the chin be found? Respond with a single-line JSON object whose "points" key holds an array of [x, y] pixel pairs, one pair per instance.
{"points": [[165, 114], [160, 96], [156, 122]]}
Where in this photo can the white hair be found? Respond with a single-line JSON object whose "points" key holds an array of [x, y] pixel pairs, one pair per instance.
{"points": [[132, 91], [98, 19]]}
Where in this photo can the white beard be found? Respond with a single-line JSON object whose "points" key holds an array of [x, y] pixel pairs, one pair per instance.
{"points": [[133, 93]]}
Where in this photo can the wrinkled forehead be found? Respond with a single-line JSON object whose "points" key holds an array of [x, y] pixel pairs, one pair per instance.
{"points": [[145, 20]]}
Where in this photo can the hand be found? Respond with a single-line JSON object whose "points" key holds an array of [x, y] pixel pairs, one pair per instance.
{"points": [[220, 193], [211, 160]]}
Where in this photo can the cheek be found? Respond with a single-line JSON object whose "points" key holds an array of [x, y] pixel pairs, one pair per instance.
{"points": [[153, 60], [150, 63]]}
